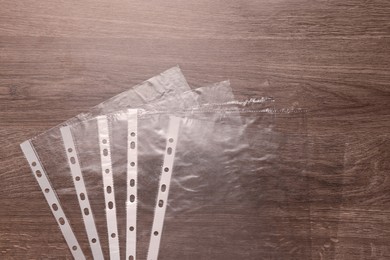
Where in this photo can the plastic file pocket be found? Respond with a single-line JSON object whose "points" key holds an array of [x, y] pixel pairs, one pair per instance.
{"points": [[48, 160], [122, 143], [236, 189], [149, 138]]}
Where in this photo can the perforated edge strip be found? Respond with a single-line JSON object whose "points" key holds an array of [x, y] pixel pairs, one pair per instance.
{"points": [[165, 180], [132, 173], [108, 183], [52, 199], [81, 191]]}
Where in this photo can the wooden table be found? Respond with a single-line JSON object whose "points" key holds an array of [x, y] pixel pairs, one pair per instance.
{"points": [[58, 58]]}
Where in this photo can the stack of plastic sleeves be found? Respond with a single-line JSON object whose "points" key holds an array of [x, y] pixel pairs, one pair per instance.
{"points": [[165, 172]]}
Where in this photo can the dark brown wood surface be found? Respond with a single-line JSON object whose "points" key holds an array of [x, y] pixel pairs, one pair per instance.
{"points": [[58, 58]]}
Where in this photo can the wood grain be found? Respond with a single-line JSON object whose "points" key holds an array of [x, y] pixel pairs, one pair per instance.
{"points": [[57, 58]]}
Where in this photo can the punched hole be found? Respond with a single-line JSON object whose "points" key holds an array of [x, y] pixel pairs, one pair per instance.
{"points": [[113, 235], [77, 178], [105, 152], [47, 190], [54, 206], [132, 145], [86, 211], [109, 189], [93, 240], [132, 134], [34, 164], [74, 248], [131, 228], [132, 198], [38, 173], [171, 140], [110, 205], [62, 221], [131, 257], [166, 169], [104, 141], [132, 164], [169, 150], [161, 203], [132, 183], [82, 196], [70, 150], [163, 187], [155, 233], [107, 171], [72, 160]]}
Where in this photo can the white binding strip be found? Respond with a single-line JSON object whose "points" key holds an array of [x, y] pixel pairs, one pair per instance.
{"points": [[82, 195], [132, 172], [163, 190], [52, 199], [108, 183]]}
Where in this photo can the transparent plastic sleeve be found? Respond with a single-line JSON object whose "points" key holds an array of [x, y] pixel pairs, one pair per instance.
{"points": [[236, 188], [86, 138], [152, 130]]}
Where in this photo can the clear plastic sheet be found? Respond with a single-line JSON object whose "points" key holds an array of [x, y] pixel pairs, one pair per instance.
{"points": [[238, 187], [85, 136], [245, 168], [51, 152]]}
